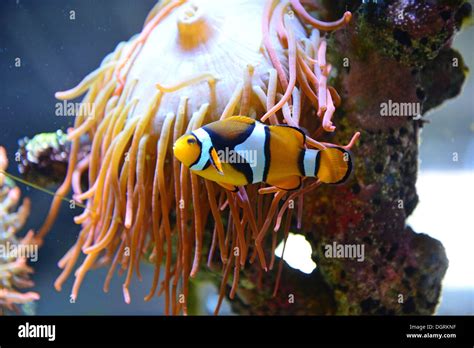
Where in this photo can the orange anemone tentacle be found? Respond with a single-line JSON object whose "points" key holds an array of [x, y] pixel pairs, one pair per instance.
{"points": [[321, 25], [267, 41], [292, 72]]}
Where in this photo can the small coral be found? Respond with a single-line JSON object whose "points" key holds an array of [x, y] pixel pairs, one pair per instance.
{"points": [[43, 159], [14, 271]]}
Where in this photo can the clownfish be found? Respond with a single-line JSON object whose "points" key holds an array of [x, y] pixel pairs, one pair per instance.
{"points": [[239, 150]]}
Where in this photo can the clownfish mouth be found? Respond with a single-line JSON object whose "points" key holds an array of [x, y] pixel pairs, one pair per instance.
{"points": [[179, 150]]}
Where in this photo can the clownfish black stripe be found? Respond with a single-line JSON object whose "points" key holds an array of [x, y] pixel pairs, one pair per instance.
{"points": [[245, 169], [208, 163], [200, 147], [203, 137], [268, 156], [317, 164], [301, 162]]}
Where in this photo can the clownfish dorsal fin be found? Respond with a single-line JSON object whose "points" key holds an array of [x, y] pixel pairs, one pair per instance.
{"points": [[240, 118], [296, 132], [215, 161]]}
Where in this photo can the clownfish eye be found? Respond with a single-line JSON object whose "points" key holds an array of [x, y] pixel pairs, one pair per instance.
{"points": [[191, 141]]}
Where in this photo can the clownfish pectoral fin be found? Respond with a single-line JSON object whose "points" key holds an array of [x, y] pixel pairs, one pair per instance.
{"points": [[228, 186], [215, 161], [289, 183]]}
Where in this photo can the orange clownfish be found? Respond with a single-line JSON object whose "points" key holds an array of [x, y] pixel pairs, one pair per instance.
{"points": [[239, 150]]}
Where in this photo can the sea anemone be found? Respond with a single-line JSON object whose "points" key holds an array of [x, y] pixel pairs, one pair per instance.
{"points": [[14, 271], [193, 63]]}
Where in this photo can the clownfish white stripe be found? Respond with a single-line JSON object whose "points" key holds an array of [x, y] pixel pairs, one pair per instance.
{"points": [[309, 162], [206, 145], [255, 144]]}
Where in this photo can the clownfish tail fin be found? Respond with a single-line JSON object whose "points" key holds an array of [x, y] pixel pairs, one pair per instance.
{"points": [[335, 165]]}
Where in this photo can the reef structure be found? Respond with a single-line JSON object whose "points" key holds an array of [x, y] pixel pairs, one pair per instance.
{"points": [[14, 270], [43, 159], [193, 63], [391, 50]]}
